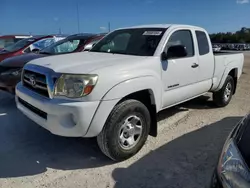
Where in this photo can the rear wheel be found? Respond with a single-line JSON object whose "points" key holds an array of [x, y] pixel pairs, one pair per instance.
{"points": [[125, 131], [224, 95]]}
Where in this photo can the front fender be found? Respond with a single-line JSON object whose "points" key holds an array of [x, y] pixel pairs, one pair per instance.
{"points": [[119, 91], [134, 85]]}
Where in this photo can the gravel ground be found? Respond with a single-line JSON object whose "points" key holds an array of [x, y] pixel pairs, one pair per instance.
{"points": [[183, 155]]}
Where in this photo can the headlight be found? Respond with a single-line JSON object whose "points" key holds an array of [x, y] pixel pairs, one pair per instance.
{"points": [[75, 86], [14, 72], [232, 167]]}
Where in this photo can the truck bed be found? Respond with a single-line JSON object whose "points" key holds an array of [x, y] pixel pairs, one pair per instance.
{"points": [[226, 53], [224, 60]]}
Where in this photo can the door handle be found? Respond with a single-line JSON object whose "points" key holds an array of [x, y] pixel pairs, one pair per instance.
{"points": [[195, 65]]}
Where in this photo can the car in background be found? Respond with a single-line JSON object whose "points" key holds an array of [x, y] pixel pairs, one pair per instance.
{"points": [[11, 68], [7, 40], [248, 47], [241, 47], [234, 162], [216, 48], [32, 44]]}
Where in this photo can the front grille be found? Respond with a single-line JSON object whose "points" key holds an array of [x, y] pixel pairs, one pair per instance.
{"points": [[35, 82], [33, 109]]}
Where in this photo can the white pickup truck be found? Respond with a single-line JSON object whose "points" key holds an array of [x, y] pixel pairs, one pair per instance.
{"points": [[114, 91]]}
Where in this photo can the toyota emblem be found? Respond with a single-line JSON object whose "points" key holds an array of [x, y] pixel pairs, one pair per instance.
{"points": [[33, 80]]}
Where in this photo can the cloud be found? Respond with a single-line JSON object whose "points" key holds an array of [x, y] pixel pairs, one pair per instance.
{"points": [[103, 28], [242, 1]]}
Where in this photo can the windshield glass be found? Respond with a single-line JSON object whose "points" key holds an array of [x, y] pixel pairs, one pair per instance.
{"points": [[19, 45], [6, 42], [2, 43], [41, 44], [63, 46], [141, 42]]}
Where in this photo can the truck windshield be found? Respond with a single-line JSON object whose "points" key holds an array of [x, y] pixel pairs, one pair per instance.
{"points": [[63, 46], [19, 45], [139, 41]]}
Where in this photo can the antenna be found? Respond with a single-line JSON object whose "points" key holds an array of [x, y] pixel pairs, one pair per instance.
{"points": [[109, 26], [78, 21]]}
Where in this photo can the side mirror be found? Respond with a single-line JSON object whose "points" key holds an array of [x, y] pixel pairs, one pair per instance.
{"points": [[164, 56], [89, 46], [177, 51]]}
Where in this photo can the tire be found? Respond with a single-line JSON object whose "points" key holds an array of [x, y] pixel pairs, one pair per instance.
{"points": [[219, 97], [109, 140]]}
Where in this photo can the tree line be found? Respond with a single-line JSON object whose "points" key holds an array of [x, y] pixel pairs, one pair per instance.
{"points": [[241, 36]]}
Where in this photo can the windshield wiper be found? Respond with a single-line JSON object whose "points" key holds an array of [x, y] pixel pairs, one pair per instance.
{"points": [[45, 53], [111, 52], [117, 52]]}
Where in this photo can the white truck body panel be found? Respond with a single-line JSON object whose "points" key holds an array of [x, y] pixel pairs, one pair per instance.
{"points": [[223, 65], [169, 83]]}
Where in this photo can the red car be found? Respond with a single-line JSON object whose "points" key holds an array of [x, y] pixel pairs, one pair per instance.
{"points": [[7, 40], [11, 68], [27, 45]]}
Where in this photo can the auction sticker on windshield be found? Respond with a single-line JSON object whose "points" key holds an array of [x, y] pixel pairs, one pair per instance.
{"points": [[154, 33]]}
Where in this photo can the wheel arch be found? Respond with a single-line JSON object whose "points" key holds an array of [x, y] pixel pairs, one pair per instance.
{"points": [[232, 72], [142, 89]]}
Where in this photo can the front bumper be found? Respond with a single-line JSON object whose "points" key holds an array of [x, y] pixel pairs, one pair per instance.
{"points": [[60, 116], [216, 182], [232, 171]]}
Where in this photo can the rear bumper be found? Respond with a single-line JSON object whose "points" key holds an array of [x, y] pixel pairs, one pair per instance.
{"points": [[59, 116]]}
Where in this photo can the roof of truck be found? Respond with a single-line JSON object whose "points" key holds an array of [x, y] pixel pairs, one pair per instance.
{"points": [[162, 26], [153, 26]]}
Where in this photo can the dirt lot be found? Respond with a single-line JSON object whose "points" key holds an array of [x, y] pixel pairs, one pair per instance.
{"points": [[183, 155]]}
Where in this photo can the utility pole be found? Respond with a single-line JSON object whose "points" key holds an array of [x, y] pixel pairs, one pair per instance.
{"points": [[78, 21], [60, 31], [109, 26]]}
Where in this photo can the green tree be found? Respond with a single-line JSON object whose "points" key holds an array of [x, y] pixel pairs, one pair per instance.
{"points": [[241, 36]]}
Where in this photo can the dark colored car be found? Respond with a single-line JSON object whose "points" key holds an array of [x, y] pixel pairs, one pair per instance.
{"points": [[7, 40], [233, 166], [28, 45], [11, 68]]}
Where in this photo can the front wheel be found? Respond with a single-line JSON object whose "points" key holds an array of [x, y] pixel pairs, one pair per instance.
{"points": [[224, 95], [125, 131]]}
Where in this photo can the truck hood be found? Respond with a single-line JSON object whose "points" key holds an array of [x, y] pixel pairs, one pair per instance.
{"points": [[84, 62], [21, 60]]}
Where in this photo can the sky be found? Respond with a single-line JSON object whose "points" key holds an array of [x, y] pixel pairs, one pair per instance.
{"points": [[48, 16]]}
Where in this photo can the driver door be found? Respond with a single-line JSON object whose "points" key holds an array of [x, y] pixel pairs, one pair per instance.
{"points": [[180, 75]]}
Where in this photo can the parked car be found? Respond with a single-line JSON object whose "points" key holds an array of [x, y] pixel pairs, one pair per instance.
{"points": [[11, 68], [234, 162], [7, 40], [32, 44], [241, 47], [114, 91], [216, 48]]}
